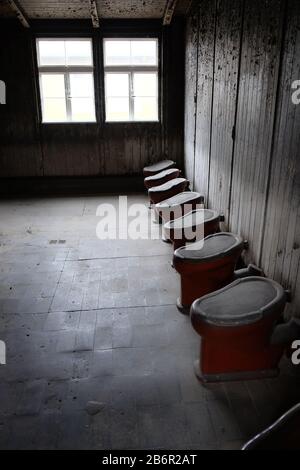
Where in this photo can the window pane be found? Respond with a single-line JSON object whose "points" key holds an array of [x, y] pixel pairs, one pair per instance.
{"points": [[117, 52], [145, 109], [143, 52], [145, 84], [125, 52], [117, 84], [54, 110], [53, 85], [117, 109], [81, 85], [51, 52], [83, 109], [79, 52]]}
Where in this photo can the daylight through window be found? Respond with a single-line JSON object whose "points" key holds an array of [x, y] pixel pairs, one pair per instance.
{"points": [[131, 79], [66, 78]]}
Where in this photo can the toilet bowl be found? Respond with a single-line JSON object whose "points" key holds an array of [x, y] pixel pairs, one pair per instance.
{"points": [[208, 268], [193, 226], [167, 190], [236, 324], [161, 177], [158, 167], [178, 205]]}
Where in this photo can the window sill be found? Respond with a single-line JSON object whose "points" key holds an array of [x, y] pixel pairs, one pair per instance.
{"points": [[132, 122], [59, 123], [98, 123]]}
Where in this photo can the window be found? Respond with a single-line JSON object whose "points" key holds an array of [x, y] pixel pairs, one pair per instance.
{"points": [[66, 78], [131, 79]]}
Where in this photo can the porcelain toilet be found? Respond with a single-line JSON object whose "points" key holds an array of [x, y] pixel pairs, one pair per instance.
{"points": [[167, 190], [161, 178], [178, 205], [207, 266], [158, 167], [193, 226], [236, 324]]}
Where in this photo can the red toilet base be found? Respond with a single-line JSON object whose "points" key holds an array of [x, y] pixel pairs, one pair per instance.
{"points": [[239, 352], [236, 325], [234, 376], [184, 309]]}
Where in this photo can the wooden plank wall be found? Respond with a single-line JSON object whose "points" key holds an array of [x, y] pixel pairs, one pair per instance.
{"points": [[191, 66], [20, 151], [28, 148], [260, 57], [280, 253], [243, 139], [227, 52], [205, 75]]}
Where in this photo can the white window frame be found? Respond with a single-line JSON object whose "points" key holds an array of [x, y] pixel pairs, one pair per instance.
{"points": [[66, 70], [131, 70]]}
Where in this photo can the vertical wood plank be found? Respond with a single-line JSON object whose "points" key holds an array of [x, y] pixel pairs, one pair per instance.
{"points": [[206, 48], [173, 116], [281, 243], [255, 119], [227, 51], [191, 59]]}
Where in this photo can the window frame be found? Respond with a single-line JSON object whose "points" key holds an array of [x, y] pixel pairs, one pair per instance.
{"points": [[66, 70], [131, 70]]}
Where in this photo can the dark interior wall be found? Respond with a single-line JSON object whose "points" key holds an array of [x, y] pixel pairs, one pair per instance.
{"points": [[241, 127], [29, 148]]}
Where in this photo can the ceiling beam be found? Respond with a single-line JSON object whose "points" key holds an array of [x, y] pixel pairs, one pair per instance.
{"points": [[94, 13], [169, 12], [189, 7], [14, 5]]}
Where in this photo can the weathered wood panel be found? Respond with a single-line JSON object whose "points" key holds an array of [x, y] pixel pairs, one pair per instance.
{"points": [[191, 60], [20, 152], [227, 50], [173, 82], [254, 178], [29, 148], [255, 119], [81, 9], [281, 243], [206, 49], [71, 150], [130, 148]]}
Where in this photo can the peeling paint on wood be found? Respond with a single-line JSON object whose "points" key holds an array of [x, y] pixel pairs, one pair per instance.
{"points": [[280, 250], [169, 11], [191, 61], [63, 9], [228, 37], [260, 58], [206, 50], [254, 166], [94, 13]]}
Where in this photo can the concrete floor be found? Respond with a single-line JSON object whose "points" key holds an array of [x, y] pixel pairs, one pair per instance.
{"points": [[98, 356]]}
